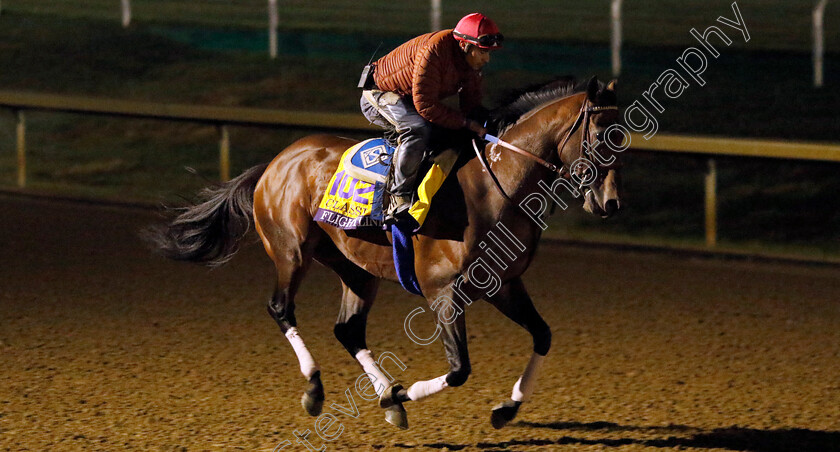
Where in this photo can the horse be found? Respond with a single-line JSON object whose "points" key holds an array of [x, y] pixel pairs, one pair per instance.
{"points": [[558, 131]]}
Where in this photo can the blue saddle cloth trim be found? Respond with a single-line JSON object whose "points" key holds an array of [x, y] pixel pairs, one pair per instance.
{"points": [[404, 258], [371, 160], [376, 213]]}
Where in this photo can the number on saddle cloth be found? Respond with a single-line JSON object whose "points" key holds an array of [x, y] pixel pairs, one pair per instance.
{"points": [[368, 164]]}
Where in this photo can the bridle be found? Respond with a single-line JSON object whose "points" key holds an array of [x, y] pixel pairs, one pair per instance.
{"points": [[582, 119]]}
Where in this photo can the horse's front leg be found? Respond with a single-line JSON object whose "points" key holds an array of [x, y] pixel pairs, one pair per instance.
{"points": [[513, 301], [452, 330]]}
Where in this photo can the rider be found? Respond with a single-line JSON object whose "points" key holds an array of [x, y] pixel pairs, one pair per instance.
{"points": [[410, 85]]}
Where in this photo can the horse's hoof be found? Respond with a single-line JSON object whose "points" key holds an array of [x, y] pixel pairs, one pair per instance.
{"points": [[313, 398], [504, 413], [389, 397], [312, 405], [396, 415]]}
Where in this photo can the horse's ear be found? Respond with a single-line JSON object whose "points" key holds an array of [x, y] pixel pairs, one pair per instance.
{"points": [[592, 88], [611, 85]]}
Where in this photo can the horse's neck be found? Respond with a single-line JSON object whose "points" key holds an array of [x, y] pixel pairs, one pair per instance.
{"points": [[537, 132]]}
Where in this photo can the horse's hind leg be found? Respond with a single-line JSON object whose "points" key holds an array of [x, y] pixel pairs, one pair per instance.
{"points": [[291, 268], [513, 301]]}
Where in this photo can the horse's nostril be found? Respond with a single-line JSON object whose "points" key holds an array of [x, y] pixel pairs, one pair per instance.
{"points": [[611, 206]]}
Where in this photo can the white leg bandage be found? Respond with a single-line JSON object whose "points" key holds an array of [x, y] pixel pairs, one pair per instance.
{"points": [[423, 389], [379, 380], [308, 366], [524, 387]]}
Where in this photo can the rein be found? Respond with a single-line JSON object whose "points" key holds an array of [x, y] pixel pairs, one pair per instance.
{"points": [[582, 118]]}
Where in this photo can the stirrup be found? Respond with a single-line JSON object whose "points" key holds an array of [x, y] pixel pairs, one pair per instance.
{"points": [[398, 208], [399, 201]]}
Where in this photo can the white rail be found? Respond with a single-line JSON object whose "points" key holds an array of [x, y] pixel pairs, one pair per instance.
{"points": [[434, 15], [615, 14], [273, 24], [126, 13], [818, 16]]}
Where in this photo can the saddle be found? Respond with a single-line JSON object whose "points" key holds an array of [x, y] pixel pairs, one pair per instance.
{"points": [[356, 197]]}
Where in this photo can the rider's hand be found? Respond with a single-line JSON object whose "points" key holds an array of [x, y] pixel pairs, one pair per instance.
{"points": [[477, 128]]}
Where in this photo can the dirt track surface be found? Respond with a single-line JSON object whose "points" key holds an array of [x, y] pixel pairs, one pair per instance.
{"points": [[107, 347]]}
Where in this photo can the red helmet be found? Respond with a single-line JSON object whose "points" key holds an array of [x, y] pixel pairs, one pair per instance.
{"points": [[477, 29]]}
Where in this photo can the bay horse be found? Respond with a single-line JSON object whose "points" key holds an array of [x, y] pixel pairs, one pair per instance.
{"points": [[558, 126]]}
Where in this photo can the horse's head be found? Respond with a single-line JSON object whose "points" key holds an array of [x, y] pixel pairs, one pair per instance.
{"points": [[572, 132], [588, 146]]}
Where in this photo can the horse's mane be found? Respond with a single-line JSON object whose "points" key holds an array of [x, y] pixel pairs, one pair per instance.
{"points": [[520, 102]]}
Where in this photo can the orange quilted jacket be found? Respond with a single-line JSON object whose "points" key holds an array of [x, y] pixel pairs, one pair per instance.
{"points": [[430, 68]]}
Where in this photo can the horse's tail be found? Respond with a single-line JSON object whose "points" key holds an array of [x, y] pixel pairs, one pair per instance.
{"points": [[210, 231]]}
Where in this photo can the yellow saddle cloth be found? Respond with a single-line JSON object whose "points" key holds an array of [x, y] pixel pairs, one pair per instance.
{"points": [[353, 198]]}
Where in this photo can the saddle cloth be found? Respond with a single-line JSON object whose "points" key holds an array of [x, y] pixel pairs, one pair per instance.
{"points": [[353, 198]]}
